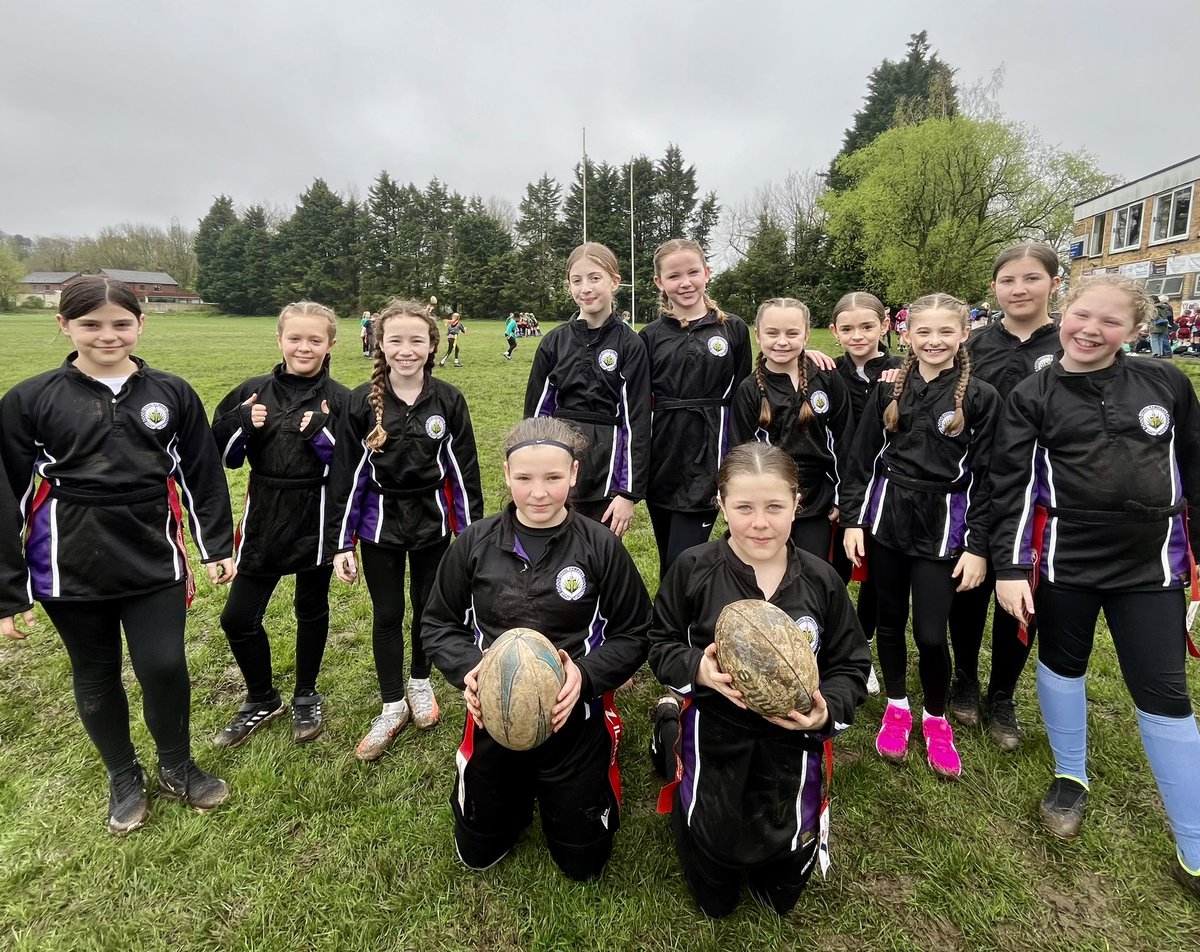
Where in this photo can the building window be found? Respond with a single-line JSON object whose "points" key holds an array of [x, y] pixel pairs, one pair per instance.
{"points": [[1127, 227], [1171, 286], [158, 287], [1097, 244], [1171, 212]]}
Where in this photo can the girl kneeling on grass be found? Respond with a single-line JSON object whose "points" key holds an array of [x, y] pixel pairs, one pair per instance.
{"points": [[750, 790], [1103, 523], [282, 424], [918, 480], [405, 480], [540, 564], [103, 452]]}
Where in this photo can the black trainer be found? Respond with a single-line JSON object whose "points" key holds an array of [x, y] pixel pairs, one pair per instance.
{"points": [[664, 737], [1002, 721], [128, 808], [250, 717], [307, 720], [192, 785], [963, 703], [1062, 807]]}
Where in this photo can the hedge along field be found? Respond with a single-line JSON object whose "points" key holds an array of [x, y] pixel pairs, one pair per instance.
{"points": [[318, 851]]}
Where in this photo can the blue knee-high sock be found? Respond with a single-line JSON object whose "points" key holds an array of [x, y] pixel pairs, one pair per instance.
{"points": [[1173, 749], [1064, 711]]}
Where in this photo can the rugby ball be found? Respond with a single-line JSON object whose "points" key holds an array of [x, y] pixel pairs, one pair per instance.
{"points": [[519, 680], [769, 657]]}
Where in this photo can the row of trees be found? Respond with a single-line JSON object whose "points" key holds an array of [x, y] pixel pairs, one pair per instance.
{"points": [[484, 259]]}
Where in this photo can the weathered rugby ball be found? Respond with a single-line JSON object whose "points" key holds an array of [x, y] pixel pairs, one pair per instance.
{"points": [[519, 680], [768, 656]]}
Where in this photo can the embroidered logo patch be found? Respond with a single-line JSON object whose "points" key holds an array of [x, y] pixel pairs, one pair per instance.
{"points": [[718, 346], [435, 426], [819, 401], [1154, 419], [1043, 362], [155, 415], [944, 421], [607, 360], [571, 583], [812, 631]]}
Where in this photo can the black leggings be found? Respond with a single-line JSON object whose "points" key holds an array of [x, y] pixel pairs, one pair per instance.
{"points": [[933, 587], [1147, 631], [154, 624], [676, 531], [242, 622], [452, 347], [968, 616], [383, 568], [512, 344]]}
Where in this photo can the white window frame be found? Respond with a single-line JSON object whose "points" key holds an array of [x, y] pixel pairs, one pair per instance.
{"points": [[1096, 241], [1157, 286], [1117, 212], [1170, 196]]}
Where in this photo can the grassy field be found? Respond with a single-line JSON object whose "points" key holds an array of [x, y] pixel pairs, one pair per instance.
{"points": [[317, 851]]}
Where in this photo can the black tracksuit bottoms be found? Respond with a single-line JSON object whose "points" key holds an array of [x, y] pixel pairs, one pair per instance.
{"points": [[383, 569], [242, 621], [153, 623]]}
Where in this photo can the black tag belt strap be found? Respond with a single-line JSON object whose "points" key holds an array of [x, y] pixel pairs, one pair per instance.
{"points": [[674, 403], [1118, 517], [286, 482], [929, 485], [407, 493], [585, 416], [109, 499]]}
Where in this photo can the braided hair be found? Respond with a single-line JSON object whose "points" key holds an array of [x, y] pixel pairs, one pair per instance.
{"points": [[806, 415], [379, 371], [962, 361], [669, 248]]}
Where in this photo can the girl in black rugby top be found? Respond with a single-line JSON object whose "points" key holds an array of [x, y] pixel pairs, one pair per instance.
{"points": [[592, 371], [750, 791], [918, 482], [282, 424], [539, 564], [405, 480], [805, 411], [859, 323], [1003, 353], [103, 453], [1096, 467]]}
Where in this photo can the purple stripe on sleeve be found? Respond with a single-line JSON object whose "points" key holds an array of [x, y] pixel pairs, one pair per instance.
{"points": [[874, 500], [596, 634], [37, 553], [365, 522], [549, 402], [812, 793], [322, 445], [620, 463], [688, 726], [958, 521], [1177, 549]]}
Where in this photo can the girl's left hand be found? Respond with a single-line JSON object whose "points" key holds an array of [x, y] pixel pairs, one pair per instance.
{"points": [[471, 694], [569, 694], [834, 514], [889, 375], [308, 415], [618, 515], [222, 572], [815, 719], [821, 359], [970, 571]]}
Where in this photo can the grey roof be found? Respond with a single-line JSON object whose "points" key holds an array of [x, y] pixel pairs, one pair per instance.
{"points": [[48, 277], [139, 277]]}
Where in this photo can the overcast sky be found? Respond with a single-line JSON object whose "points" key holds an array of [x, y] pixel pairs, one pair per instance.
{"points": [[141, 111]]}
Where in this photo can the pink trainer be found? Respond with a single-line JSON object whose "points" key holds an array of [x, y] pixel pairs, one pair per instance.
{"points": [[939, 747], [892, 740]]}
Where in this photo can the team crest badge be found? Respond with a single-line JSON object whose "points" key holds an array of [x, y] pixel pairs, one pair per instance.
{"points": [[155, 415], [819, 401], [1154, 419], [812, 631], [435, 426], [944, 421], [607, 360], [571, 583], [1043, 362], [718, 346]]}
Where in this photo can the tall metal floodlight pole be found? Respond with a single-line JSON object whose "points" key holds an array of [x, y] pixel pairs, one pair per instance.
{"points": [[585, 185], [632, 272]]}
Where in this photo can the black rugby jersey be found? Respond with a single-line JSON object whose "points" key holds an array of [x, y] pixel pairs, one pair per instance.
{"points": [[283, 521], [858, 388], [820, 449], [597, 379], [1111, 457], [1004, 360], [420, 487], [102, 480], [15, 596], [694, 373], [919, 490], [584, 594]]}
